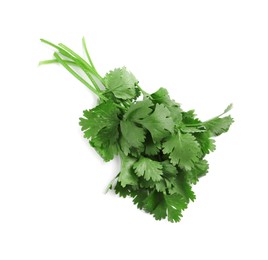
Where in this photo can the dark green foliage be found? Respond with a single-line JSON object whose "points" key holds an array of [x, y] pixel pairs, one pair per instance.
{"points": [[162, 151], [161, 147]]}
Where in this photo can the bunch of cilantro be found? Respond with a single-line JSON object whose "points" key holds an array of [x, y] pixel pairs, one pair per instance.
{"points": [[162, 148]]}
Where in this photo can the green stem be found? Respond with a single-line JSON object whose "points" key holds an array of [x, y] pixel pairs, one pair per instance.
{"points": [[78, 58], [199, 124], [121, 107], [87, 53], [69, 57], [90, 61], [61, 51], [229, 107], [92, 79], [65, 65], [73, 64], [83, 64], [110, 184], [144, 93], [45, 62]]}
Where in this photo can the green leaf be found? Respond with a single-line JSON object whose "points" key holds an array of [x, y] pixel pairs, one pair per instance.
{"points": [[181, 186], [148, 168], [189, 118], [121, 83], [161, 96], [151, 201], [228, 108], [183, 150], [127, 175], [106, 147], [100, 125], [136, 152], [168, 168], [193, 129], [160, 186], [175, 205], [139, 197], [102, 116], [139, 110], [200, 169], [206, 142], [151, 148], [146, 183], [105, 141], [133, 134], [160, 211], [159, 123], [121, 191], [124, 145], [161, 205], [217, 126]]}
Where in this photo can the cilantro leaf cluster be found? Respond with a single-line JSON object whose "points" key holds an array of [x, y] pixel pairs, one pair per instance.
{"points": [[161, 147]]}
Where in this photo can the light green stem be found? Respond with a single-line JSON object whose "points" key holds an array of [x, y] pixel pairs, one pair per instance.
{"points": [[65, 65], [110, 184]]}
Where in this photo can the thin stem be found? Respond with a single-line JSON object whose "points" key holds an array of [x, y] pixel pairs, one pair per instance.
{"points": [[73, 64], [84, 63], [90, 60], [199, 124], [229, 107], [65, 65], [121, 107], [69, 54], [110, 184], [62, 51], [44, 62], [92, 80], [75, 60], [50, 43], [78, 57], [144, 93], [87, 53]]}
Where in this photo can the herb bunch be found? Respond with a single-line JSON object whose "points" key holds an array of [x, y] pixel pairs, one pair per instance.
{"points": [[162, 148]]}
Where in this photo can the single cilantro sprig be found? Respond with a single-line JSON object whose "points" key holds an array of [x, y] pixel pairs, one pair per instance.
{"points": [[161, 147]]}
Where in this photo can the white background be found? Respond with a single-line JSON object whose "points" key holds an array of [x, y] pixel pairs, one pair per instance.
{"points": [[52, 201]]}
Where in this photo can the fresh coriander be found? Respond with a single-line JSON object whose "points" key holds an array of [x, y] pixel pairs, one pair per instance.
{"points": [[161, 147]]}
